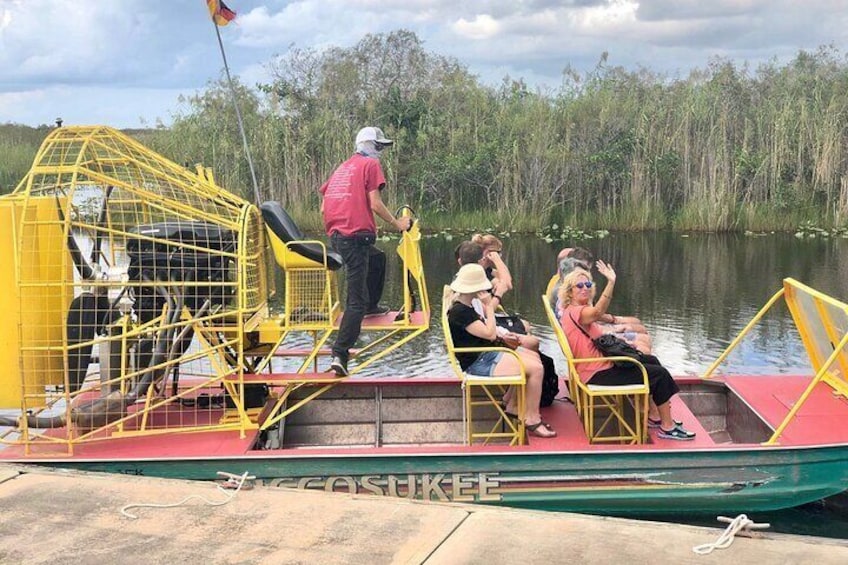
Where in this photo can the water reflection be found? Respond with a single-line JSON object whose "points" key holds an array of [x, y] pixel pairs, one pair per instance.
{"points": [[693, 293]]}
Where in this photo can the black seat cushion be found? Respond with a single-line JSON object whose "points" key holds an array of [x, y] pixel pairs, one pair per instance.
{"points": [[284, 227]]}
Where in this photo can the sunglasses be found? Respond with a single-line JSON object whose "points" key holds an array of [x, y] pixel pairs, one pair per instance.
{"points": [[587, 284]]}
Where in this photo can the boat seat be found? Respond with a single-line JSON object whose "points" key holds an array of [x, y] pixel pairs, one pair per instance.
{"points": [[610, 414], [492, 388], [282, 230], [311, 298]]}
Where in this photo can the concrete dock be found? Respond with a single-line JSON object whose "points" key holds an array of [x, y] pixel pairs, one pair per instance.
{"points": [[49, 516]]}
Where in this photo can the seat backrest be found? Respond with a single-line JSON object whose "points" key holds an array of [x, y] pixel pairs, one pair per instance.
{"points": [[447, 296], [558, 332], [281, 225]]}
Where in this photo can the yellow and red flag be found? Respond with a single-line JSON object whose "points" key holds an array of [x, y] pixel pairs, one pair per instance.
{"points": [[221, 15]]}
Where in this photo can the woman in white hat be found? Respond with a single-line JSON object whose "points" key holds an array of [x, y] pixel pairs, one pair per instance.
{"points": [[469, 329]]}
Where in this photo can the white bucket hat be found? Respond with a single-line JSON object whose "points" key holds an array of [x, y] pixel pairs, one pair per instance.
{"points": [[471, 278], [372, 134]]}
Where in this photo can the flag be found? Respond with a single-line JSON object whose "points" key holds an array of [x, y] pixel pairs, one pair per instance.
{"points": [[221, 15]]}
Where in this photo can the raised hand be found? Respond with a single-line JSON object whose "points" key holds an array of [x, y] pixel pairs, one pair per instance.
{"points": [[606, 270], [485, 298], [495, 257]]}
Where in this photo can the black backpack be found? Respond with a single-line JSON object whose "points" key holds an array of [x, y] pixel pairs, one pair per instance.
{"points": [[550, 381]]}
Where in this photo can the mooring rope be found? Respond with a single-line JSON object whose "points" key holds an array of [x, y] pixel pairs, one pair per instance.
{"points": [[740, 523], [230, 488]]}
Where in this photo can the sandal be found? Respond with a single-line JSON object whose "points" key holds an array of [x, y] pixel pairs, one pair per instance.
{"points": [[540, 429], [515, 417]]}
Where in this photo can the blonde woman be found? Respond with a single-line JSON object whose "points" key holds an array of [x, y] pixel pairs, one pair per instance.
{"points": [[469, 329], [579, 317]]}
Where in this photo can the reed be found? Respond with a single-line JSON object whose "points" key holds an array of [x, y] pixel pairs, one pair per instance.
{"points": [[726, 147]]}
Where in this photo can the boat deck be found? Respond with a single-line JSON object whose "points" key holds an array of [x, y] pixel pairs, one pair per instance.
{"points": [[812, 425], [570, 435], [771, 403]]}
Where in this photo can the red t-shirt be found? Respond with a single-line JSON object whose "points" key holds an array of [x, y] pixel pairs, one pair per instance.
{"points": [[581, 346], [347, 209]]}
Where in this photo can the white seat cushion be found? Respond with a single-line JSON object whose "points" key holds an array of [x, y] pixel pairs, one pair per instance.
{"points": [[492, 379], [616, 388]]}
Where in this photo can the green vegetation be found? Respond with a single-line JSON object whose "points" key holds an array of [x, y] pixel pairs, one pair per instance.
{"points": [[18, 145], [724, 148]]}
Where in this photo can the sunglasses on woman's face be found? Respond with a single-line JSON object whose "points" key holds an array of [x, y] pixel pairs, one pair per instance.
{"points": [[587, 284]]}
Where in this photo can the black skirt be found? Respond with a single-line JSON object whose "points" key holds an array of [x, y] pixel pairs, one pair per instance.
{"points": [[660, 382]]}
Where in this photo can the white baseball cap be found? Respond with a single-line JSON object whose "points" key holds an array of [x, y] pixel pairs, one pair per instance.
{"points": [[372, 134]]}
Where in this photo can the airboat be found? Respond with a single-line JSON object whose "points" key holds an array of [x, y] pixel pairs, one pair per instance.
{"points": [[140, 338]]}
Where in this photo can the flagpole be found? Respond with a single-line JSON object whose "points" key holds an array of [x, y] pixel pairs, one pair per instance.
{"points": [[238, 116]]}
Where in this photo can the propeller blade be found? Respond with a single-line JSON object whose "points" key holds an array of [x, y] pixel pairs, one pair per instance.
{"points": [[95, 250]]}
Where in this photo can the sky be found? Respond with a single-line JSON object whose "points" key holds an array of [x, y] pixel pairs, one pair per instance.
{"points": [[125, 63]]}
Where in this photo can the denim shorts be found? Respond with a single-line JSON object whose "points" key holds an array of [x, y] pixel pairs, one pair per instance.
{"points": [[485, 364]]}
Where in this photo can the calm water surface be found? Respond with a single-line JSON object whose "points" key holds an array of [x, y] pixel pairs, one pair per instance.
{"points": [[694, 294]]}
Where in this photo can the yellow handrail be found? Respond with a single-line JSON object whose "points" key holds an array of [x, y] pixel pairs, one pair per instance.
{"points": [[745, 330]]}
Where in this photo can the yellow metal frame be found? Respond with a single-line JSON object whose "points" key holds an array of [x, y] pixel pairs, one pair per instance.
{"points": [[614, 399], [512, 430], [324, 312], [318, 311], [132, 186], [830, 367], [311, 302], [145, 188]]}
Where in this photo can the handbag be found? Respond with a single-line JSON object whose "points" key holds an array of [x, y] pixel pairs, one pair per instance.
{"points": [[510, 322], [612, 346], [550, 379]]}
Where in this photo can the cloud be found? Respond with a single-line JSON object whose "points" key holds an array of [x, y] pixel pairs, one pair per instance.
{"points": [[483, 26], [89, 105], [662, 10], [122, 42], [113, 48]]}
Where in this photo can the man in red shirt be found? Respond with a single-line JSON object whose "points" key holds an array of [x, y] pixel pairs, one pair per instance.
{"points": [[350, 198]]}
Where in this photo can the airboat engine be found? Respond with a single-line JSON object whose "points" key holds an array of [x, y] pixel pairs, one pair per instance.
{"points": [[126, 257], [174, 267], [188, 253]]}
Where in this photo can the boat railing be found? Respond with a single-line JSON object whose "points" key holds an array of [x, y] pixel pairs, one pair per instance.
{"points": [[822, 323]]}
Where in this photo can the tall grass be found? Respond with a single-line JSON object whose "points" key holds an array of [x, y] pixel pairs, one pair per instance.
{"points": [[18, 146], [726, 147]]}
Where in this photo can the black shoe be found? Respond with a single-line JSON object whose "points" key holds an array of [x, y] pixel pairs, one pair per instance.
{"points": [[677, 433], [378, 310], [339, 367]]}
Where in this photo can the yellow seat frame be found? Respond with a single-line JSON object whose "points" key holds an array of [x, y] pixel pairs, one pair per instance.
{"points": [[491, 386], [614, 400]]}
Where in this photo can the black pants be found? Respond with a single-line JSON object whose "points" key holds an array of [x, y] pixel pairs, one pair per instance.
{"points": [[365, 273], [660, 382]]}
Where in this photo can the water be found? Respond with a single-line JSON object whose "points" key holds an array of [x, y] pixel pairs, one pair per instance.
{"points": [[694, 294]]}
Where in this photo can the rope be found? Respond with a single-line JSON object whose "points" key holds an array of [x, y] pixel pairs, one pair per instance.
{"points": [[739, 524], [235, 482]]}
